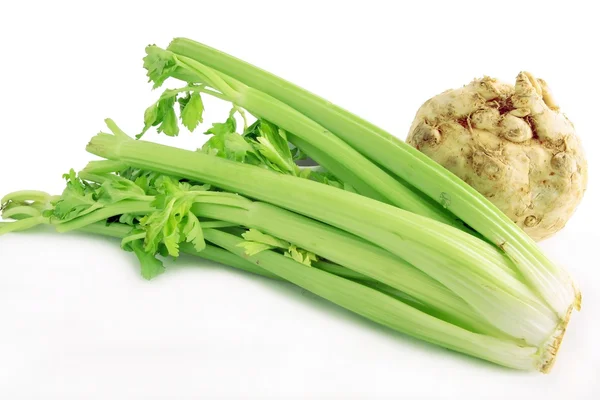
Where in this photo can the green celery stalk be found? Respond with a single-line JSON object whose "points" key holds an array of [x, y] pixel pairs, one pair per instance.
{"points": [[366, 261], [354, 254], [552, 282], [225, 257], [211, 253], [122, 207], [541, 359], [385, 309], [335, 245], [448, 255], [319, 137], [21, 225], [331, 165], [28, 217], [219, 255]]}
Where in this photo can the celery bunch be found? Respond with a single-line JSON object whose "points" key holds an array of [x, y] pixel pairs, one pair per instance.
{"points": [[377, 228]]}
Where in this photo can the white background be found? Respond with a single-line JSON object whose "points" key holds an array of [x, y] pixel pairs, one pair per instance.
{"points": [[78, 322]]}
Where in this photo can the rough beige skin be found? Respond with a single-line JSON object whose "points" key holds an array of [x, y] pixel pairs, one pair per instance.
{"points": [[512, 144]]}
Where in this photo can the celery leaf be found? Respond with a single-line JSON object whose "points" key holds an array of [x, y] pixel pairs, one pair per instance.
{"points": [[191, 110], [173, 222], [254, 235], [160, 64], [77, 199], [151, 267], [221, 128], [150, 119], [167, 117], [300, 255]]}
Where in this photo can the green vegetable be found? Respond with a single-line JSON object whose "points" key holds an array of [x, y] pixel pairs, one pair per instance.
{"points": [[406, 163], [353, 293], [471, 268], [177, 203], [383, 308], [217, 254], [411, 248], [376, 302], [161, 64]]}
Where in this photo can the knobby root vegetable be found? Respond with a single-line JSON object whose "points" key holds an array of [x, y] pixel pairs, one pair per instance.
{"points": [[512, 144]]}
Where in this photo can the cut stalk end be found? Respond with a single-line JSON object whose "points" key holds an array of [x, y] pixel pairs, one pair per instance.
{"points": [[577, 303], [551, 347], [104, 145]]}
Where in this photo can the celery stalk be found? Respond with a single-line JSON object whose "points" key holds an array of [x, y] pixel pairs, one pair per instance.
{"points": [[448, 255], [331, 165], [217, 254], [384, 309], [211, 253], [351, 252], [242, 262], [319, 137], [551, 281]]}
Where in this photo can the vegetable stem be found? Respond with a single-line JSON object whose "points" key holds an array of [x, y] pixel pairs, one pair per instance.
{"points": [[549, 280], [447, 255], [384, 309], [292, 121]]}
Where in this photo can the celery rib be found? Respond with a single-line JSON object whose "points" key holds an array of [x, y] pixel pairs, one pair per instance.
{"points": [[122, 207], [121, 231], [292, 121], [374, 302], [549, 280], [374, 221], [384, 309], [333, 166], [351, 252], [212, 253]]}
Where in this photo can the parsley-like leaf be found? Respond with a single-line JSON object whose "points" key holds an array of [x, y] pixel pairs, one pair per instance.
{"points": [[300, 255], [257, 241], [298, 154], [253, 248], [254, 235], [221, 128], [160, 64], [274, 146], [192, 231], [145, 180], [173, 222], [168, 118], [77, 199], [328, 179], [230, 146], [151, 267], [191, 110], [128, 219], [150, 119], [116, 188]]}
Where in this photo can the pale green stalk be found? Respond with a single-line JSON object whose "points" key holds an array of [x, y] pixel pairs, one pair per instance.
{"points": [[384, 309], [420, 241], [413, 167], [330, 164], [338, 246], [225, 257], [292, 121], [351, 252]]}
